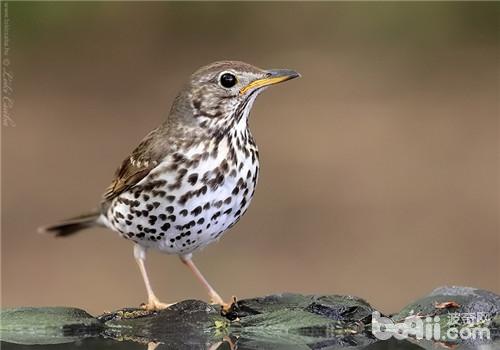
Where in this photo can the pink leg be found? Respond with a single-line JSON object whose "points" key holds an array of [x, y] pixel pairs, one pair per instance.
{"points": [[214, 296]]}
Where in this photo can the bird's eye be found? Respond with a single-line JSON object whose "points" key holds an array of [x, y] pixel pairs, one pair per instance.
{"points": [[228, 80]]}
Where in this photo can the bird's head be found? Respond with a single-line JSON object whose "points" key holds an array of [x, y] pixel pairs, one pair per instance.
{"points": [[220, 95]]}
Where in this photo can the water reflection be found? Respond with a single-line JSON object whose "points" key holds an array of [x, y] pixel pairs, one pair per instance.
{"points": [[242, 343]]}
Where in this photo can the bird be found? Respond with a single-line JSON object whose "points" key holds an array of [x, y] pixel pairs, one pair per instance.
{"points": [[190, 179]]}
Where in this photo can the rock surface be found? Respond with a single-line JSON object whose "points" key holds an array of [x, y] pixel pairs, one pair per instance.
{"points": [[284, 321], [47, 325]]}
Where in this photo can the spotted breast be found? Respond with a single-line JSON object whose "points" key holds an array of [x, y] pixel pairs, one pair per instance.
{"points": [[191, 197]]}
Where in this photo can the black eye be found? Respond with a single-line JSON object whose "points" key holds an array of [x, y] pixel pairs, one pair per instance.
{"points": [[228, 80]]}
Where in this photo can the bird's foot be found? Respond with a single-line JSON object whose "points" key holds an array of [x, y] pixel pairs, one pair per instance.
{"points": [[155, 305], [225, 307]]}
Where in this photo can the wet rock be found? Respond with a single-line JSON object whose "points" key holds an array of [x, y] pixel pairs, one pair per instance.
{"points": [[452, 310], [334, 307], [47, 325], [190, 320], [310, 321], [275, 322], [465, 301]]}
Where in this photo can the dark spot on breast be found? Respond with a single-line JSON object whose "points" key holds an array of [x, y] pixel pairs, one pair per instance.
{"points": [[178, 157], [193, 178], [240, 182], [170, 198], [162, 217], [197, 103], [183, 212], [196, 211], [203, 190], [173, 167], [159, 193], [175, 186], [185, 197], [224, 166], [206, 176], [165, 226], [215, 151]]}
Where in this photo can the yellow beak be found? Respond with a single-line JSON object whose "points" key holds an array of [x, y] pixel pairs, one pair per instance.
{"points": [[274, 76]]}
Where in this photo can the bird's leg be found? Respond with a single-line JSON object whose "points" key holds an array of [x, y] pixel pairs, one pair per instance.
{"points": [[214, 296], [153, 302]]}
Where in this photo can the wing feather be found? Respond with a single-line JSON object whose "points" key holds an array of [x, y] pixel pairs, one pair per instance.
{"points": [[133, 169]]}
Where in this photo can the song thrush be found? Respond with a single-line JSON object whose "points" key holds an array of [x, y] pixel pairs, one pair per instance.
{"points": [[193, 177]]}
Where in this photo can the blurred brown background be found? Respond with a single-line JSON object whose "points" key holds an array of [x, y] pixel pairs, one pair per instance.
{"points": [[379, 167]]}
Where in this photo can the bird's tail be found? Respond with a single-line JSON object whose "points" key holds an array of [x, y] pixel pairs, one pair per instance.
{"points": [[73, 225]]}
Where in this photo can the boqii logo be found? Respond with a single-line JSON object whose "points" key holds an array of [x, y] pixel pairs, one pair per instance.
{"points": [[429, 328]]}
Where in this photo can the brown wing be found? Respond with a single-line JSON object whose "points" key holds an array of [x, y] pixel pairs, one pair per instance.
{"points": [[133, 169]]}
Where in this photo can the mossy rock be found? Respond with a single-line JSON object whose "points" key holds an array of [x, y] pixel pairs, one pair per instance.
{"points": [[457, 308], [47, 325]]}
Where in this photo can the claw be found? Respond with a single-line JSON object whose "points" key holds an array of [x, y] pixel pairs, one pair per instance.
{"points": [[155, 305], [225, 307]]}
